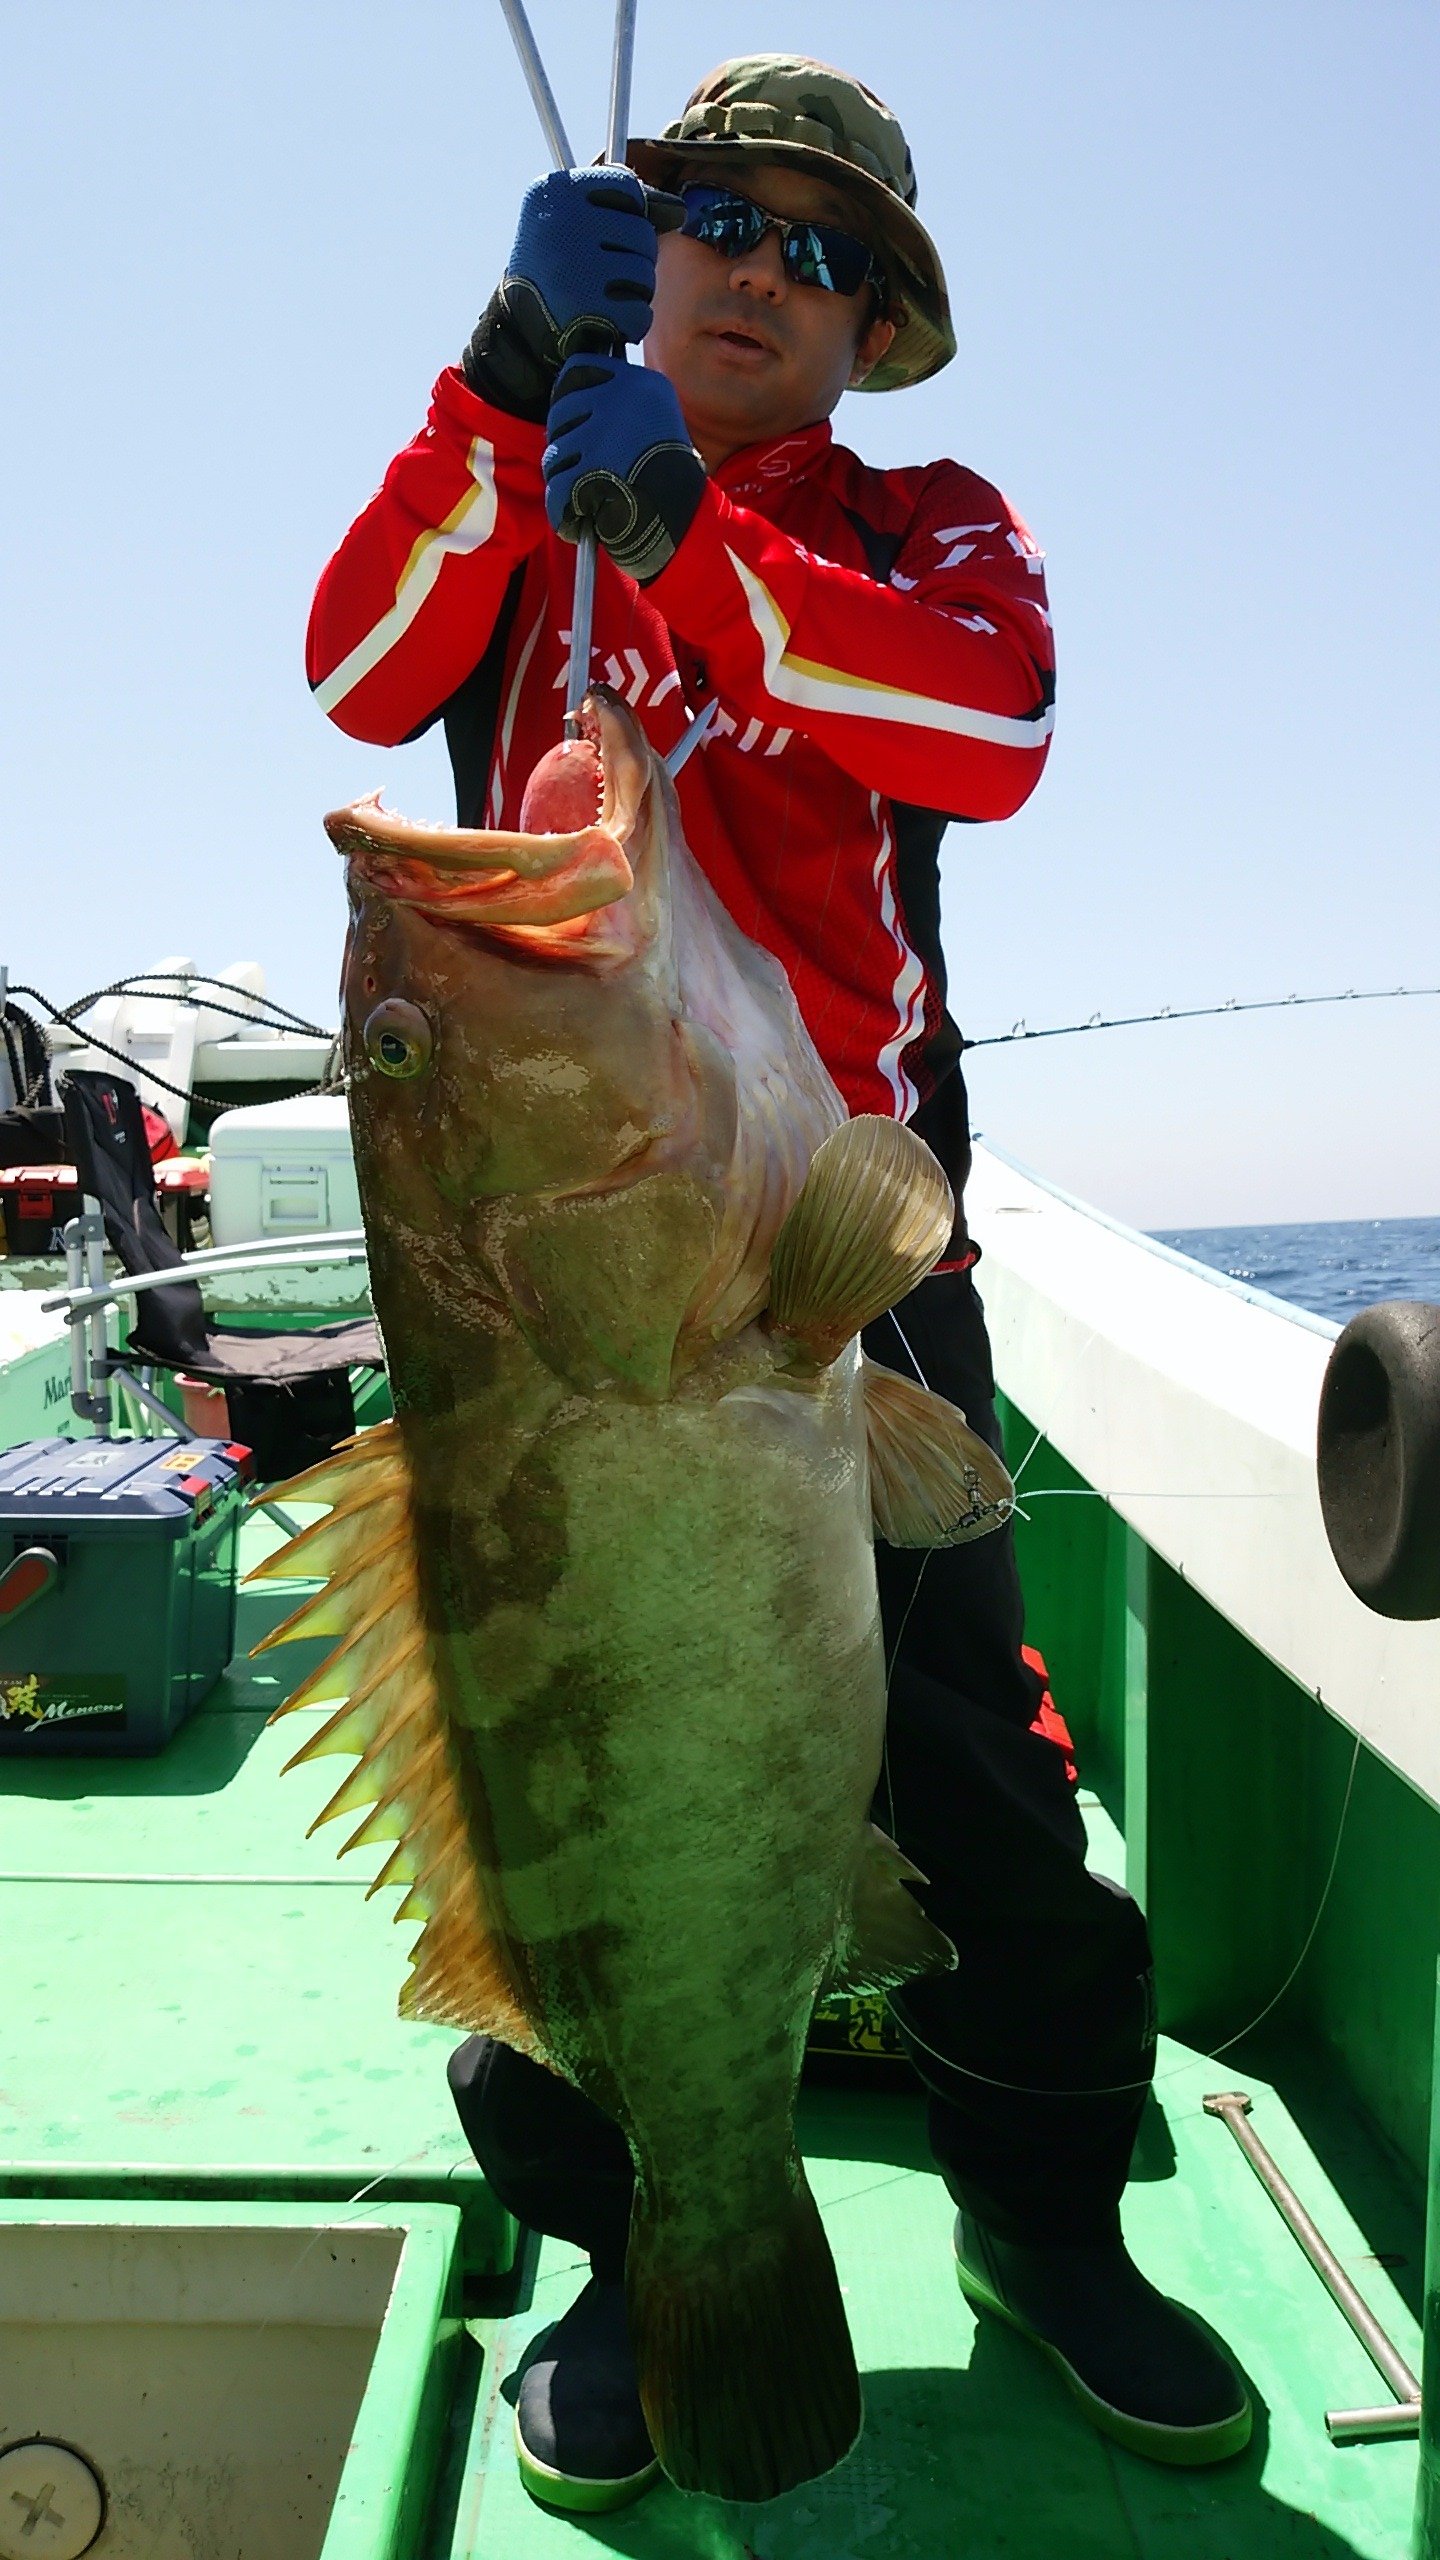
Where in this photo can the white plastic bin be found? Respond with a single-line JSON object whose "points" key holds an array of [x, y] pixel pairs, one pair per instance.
{"points": [[283, 1169]]}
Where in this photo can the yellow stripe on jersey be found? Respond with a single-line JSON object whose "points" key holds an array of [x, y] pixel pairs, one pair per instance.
{"points": [[467, 527], [811, 686]]}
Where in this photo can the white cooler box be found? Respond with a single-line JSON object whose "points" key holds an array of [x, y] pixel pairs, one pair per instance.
{"points": [[283, 1169]]}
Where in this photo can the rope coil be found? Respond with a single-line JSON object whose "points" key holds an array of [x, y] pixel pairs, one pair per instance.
{"points": [[168, 986]]}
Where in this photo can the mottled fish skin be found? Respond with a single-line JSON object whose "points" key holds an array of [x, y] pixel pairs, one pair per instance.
{"points": [[641, 1522]]}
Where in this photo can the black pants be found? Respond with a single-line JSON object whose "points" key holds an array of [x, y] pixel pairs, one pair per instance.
{"points": [[1036, 2052]]}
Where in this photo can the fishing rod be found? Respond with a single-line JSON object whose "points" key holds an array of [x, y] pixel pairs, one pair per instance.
{"points": [[1192, 1013], [582, 610]]}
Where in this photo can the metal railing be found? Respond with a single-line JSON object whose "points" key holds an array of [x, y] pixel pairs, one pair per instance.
{"points": [[90, 1293]]}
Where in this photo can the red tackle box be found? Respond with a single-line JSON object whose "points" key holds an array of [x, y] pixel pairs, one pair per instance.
{"points": [[38, 1200]]}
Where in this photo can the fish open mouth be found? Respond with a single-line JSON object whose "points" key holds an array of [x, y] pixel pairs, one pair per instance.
{"points": [[564, 862], [566, 791]]}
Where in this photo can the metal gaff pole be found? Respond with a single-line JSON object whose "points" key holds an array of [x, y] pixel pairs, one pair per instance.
{"points": [[582, 609], [621, 67], [537, 84], [582, 622]]}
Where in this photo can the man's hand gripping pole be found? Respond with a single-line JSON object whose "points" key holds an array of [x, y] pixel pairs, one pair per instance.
{"points": [[582, 611]]}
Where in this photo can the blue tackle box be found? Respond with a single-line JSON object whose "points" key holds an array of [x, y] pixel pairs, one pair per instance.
{"points": [[117, 1589]]}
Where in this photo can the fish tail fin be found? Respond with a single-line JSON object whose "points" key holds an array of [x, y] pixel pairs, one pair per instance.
{"points": [[747, 2373]]}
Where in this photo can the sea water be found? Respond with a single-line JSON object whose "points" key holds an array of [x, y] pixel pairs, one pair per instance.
{"points": [[1334, 1268]]}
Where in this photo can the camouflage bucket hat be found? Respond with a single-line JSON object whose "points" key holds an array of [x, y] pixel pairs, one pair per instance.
{"points": [[779, 106]]}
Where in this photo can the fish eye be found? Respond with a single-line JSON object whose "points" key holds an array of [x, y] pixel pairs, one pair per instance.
{"points": [[398, 1038]]}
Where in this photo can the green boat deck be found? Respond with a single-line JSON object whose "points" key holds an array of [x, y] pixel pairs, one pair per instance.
{"points": [[201, 2006]]}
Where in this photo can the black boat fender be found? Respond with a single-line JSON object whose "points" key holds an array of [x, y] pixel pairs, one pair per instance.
{"points": [[1378, 1457]]}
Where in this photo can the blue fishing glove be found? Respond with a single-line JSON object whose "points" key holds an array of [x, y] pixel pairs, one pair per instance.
{"points": [[620, 458], [581, 274]]}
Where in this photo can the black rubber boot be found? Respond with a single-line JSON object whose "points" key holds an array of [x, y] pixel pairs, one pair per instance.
{"points": [[1142, 2369], [580, 2435]]}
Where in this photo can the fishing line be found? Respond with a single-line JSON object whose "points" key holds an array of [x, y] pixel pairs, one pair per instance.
{"points": [[1044, 1428], [1143, 1493], [909, 1349], [1214, 2052], [1211, 2053], [1123, 2088], [1056, 1401], [1118, 2088], [924, 1560], [911, 1355], [345, 2213]]}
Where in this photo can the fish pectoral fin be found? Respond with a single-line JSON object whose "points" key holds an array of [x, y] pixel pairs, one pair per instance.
{"points": [[874, 1212], [933, 1481], [885, 1937]]}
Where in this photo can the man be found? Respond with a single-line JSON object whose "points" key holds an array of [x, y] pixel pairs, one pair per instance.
{"points": [[879, 649]]}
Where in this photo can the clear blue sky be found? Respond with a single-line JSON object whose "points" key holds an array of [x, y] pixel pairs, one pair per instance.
{"points": [[1192, 259]]}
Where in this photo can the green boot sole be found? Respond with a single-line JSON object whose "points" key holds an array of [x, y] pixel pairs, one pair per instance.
{"points": [[579, 2497], [1183, 2448]]}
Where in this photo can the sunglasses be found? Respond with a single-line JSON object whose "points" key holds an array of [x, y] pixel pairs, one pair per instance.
{"points": [[810, 252]]}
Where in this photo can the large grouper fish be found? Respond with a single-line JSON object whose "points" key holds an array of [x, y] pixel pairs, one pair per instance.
{"points": [[610, 1646]]}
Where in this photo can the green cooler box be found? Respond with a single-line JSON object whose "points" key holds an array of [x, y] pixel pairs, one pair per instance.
{"points": [[117, 1589]]}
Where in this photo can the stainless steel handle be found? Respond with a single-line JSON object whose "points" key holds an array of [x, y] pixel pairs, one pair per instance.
{"points": [[1344, 2426]]}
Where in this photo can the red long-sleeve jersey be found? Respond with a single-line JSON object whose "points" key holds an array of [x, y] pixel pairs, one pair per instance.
{"points": [[879, 643]]}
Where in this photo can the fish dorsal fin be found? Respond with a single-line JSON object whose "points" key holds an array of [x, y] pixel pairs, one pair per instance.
{"points": [[933, 1481], [392, 1721], [874, 1212], [884, 1936]]}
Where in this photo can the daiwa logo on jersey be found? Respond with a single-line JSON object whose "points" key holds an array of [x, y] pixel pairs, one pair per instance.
{"points": [[754, 739], [631, 681]]}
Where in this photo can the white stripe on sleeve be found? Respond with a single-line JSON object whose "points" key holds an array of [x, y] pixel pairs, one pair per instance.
{"points": [[811, 687], [467, 527], [908, 992]]}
